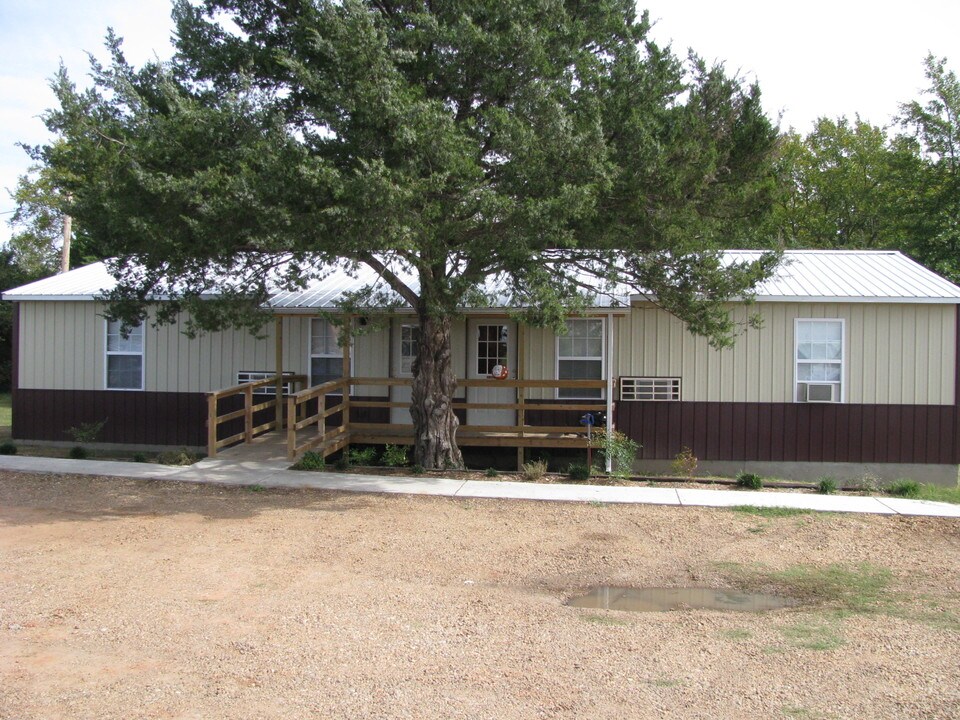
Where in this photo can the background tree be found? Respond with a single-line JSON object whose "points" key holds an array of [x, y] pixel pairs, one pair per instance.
{"points": [[546, 147], [37, 223]]}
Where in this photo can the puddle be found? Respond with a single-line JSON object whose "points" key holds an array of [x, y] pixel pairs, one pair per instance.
{"points": [[691, 598]]}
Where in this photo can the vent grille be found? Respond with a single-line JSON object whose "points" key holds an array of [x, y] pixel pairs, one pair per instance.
{"points": [[818, 392], [248, 376], [650, 388]]}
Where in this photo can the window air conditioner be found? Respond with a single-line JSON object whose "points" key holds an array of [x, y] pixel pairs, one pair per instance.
{"points": [[818, 392]]}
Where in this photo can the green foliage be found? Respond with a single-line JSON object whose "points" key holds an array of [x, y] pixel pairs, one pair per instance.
{"points": [[826, 486], [310, 460], [394, 456], [749, 481], [818, 636], [491, 472], [417, 469], [534, 471], [78, 452], [904, 488], [770, 512], [177, 457], [622, 450], [362, 456], [8, 448], [139, 457], [578, 472], [685, 463], [938, 493], [343, 462], [859, 588], [12, 274], [87, 432]]}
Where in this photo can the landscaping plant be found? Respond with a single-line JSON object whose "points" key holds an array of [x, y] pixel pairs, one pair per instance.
{"points": [[749, 481]]}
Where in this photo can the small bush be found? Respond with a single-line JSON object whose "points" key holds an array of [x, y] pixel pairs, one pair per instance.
{"points": [[8, 448], [139, 457], [535, 470], [309, 461], [491, 473], [86, 432], [578, 472], [623, 451], [343, 462], [177, 457], [826, 486], [685, 464], [417, 469], [362, 456], [394, 456], [749, 481], [78, 452], [904, 489], [868, 482]]}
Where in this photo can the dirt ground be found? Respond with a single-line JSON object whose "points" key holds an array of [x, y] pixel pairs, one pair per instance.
{"points": [[138, 599]]}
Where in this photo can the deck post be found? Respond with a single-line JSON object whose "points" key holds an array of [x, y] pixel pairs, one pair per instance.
{"points": [[278, 359], [211, 424], [610, 390], [248, 414], [521, 390], [291, 427], [346, 374]]}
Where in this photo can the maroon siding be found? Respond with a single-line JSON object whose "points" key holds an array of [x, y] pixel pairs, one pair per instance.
{"points": [[793, 431], [142, 418]]}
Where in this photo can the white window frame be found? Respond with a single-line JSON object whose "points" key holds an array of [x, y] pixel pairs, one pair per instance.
{"points": [[311, 355], [107, 354], [603, 360], [843, 356], [400, 356]]}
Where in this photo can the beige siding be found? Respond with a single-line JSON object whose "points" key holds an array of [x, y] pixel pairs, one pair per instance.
{"points": [[894, 354]]}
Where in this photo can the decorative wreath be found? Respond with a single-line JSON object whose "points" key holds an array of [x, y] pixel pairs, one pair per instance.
{"points": [[500, 372]]}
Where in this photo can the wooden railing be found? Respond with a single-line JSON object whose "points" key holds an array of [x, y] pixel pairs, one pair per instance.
{"points": [[216, 418], [519, 434]]}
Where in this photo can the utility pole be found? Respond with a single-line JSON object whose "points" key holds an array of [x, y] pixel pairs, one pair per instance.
{"points": [[65, 252]]}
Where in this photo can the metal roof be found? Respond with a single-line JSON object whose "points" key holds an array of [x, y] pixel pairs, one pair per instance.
{"points": [[805, 276]]}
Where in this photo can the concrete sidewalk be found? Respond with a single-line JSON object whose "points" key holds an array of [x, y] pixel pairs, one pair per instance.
{"points": [[269, 471]]}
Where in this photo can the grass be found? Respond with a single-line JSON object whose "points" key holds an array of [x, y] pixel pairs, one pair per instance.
{"points": [[822, 636], [6, 410], [737, 634], [603, 620], [939, 493], [770, 512]]}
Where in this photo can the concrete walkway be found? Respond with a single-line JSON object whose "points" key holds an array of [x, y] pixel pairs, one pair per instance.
{"points": [[265, 464]]}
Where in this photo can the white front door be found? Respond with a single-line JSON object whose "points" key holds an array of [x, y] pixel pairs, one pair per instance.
{"points": [[491, 343], [406, 335]]}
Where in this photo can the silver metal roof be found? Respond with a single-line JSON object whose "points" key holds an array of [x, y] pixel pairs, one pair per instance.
{"points": [[805, 276]]}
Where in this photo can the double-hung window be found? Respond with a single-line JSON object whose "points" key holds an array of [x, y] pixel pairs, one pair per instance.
{"points": [[819, 360], [409, 346], [326, 356], [580, 356], [124, 362]]}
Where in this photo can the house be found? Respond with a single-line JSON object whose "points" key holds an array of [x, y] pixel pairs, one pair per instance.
{"points": [[854, 369]]}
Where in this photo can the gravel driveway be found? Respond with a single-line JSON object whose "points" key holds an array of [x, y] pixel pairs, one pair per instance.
{"points": [[139, 599]]}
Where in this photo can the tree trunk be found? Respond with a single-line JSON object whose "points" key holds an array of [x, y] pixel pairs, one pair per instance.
{"points": [[434, 384]]}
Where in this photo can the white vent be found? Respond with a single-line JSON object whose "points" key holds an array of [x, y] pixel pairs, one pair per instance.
{"points": [[818, 392], [247, 376], [650, 388]]}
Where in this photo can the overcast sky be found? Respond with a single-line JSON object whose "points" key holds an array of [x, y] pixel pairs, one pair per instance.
{"points": [[811, 59]]}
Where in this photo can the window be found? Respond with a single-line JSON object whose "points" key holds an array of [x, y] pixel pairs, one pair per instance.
{"points": [[124, 366], [409, 346], [247, 376], [580, 356], [819, 360], [649, 388], [326, 356], [492, 347]]}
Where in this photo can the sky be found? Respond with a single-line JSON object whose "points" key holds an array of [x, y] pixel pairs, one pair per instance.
{"points": [[810, 58]]}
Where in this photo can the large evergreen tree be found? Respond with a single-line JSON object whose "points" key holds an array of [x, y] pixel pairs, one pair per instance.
{"points": [[440, 143]]}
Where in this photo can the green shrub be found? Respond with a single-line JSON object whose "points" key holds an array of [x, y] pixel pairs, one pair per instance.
{"points": [[139, 457], [177, 457], [826, 486], [394, 456], [78, 452], [86, 432], [8, 448], [750, 481], [533, 471], [309, 461], [685, 463], [578, 472], [904, 489], [362, 456], [491, 473], [417, 469], [343, 462], [623, 451]]}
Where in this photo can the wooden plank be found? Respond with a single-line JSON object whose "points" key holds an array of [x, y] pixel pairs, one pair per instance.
{"points": [[230, 440], [291, 427], [212, 425], [248, 414], [278, 366], [227, 417]]}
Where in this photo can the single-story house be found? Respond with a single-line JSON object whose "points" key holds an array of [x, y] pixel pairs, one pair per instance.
{"points": [[854, 369]]}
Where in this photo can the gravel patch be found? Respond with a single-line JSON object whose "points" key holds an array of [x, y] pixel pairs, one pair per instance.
{"points": [[131, 598]]}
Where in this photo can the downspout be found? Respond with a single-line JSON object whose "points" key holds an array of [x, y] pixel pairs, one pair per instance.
{"points": [[610, 388]]}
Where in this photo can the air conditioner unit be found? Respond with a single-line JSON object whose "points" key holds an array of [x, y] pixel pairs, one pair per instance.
{"points": [[818, 392]]}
